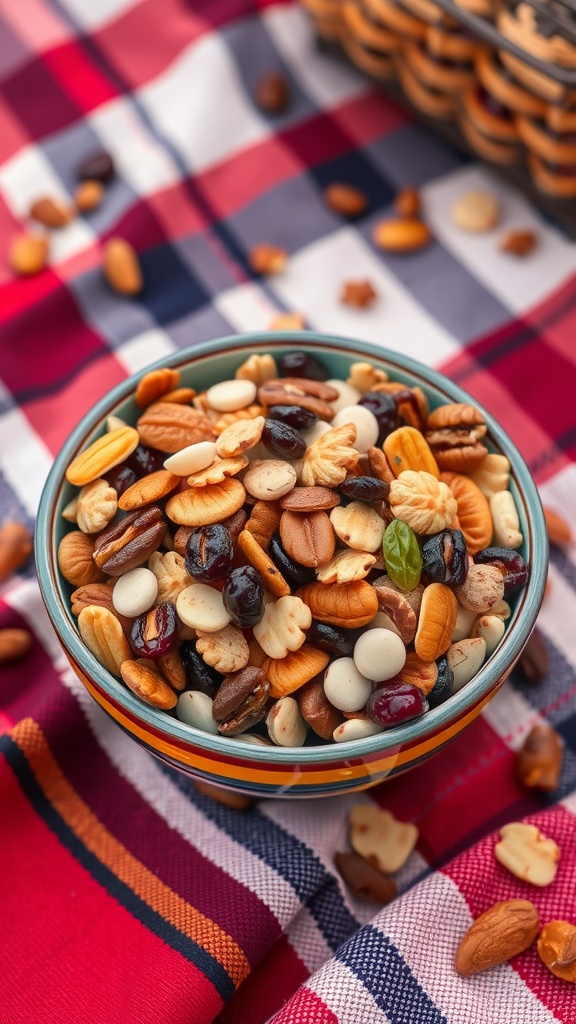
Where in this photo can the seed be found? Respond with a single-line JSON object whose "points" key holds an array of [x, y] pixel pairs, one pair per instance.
{"points": [[51, 212], [88, 195], [121, 267]]}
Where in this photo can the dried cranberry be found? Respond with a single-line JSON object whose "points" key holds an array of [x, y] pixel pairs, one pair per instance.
{"points": [[445, 558], [243, 595], [283, 440], [511, 565], [365, 488], [121, 478], [385, 410], [442, 688], [295, 572], [301, 364], [146, 460], [293, 415], [392, 703], [209, 553], [333, 639], [199, 675], [155, 632]]}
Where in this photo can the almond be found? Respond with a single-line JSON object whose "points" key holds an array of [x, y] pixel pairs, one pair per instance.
{"points": [[28, 254], [407, 202], [308, 538], [155, 385], [559, 531], [121, 267], [310, 499], [15, 548], [170, 426], [500, 933], [350, 605], [148, 489], [406, 234], [540, 759], [52, 213], [14, 644], [211, 504], [147, 684], [88, 195], [345, 199], [103, 454]]}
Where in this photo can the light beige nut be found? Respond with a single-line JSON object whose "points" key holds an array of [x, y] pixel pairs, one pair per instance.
{"points": [[345, 567], [170, 572], [421, 501], [70, 510], [269, 479], [121, 267], [286, 726], [147, 684], [499, 934], [267, 259], [465, 658], [465, 617], [226, 650], [381, 838], [170, 426], [402, 234], [264, 520], [97, 505], [239, 437], [251, 412], [307, 537], [14, 644], [88, 195], [211, 504], [557, 949], [505, 520], [192, 459], [363, 377], [286, 322], [103, 635], [350, 605], [397, 606], [491, 629], [476, 211], [15, 547], [272, 578], [218, 471], [436, 622], [75, 559], [558, 529], [327, 460], [282, 627], [28, 254], [492, 475], [527, 853], [482, 588], [358, 526], [51, 212], [540, 758], [290, 673], [103, 454], [155, 384], [148, 489], [202, 607]]}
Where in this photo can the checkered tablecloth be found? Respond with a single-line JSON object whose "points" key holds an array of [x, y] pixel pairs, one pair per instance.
{"points": [[125, 895]]}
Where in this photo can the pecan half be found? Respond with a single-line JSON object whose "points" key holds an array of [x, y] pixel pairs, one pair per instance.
{"points": [[130, 542], [241, 701], [308, 394]]}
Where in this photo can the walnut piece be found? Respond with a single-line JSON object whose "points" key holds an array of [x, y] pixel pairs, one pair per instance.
{"points": [[226, 650], [170, 571], [421, 501], [97, 506], [328, 458]]}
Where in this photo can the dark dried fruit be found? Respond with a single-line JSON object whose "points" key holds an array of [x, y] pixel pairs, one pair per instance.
{"points": [[241, 701], [509, 562], [243, 595], [365, 488], [385, 410], [393, 703], [334, 639], [290, 569], [199, 675], [145, 460], [445, 558], [283, 440], [293, 415], [156, 632], [442, 688], [365, 880], [272, 94], [98, 166], [301, 364], [209, 553], [121, 478]]}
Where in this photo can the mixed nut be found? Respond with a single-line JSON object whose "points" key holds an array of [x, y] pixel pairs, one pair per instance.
{"points": [[313, 556]]}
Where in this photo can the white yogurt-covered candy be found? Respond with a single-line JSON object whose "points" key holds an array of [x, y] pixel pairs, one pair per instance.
{"points": [[355, 729], [347, 395], [345, 687], [195, 708], [315, 431], [379, 654], [202, 607], [367, 428], [135, 592], [192, 459], [230, 395]]}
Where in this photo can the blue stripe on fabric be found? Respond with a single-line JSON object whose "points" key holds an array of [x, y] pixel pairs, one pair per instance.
{"points": [[384, 973], [315, 887]]}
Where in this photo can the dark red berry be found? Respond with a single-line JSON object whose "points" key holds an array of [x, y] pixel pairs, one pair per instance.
{"points": [[155, 632], [393, 703], [209, 553], [243, 595], [385, 410], [283, 440], [121, 478]]}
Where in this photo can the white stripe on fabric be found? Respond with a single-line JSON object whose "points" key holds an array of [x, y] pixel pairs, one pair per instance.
{"points": [[436, 911], [145, 348], [24, 458], [246, 307], [558, 614], [307, 941], [511, 716], [558, 493], [344, 994], [138, 156]]}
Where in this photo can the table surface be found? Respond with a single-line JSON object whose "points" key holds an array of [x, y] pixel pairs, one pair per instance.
{"points": [[127, 895]]}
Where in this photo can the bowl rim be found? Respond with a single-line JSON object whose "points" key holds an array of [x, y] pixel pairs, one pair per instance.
{"points": [[436, 719]]}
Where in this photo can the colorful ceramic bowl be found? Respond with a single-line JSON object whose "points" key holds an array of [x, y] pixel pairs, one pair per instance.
{"points": [[269, 770]]}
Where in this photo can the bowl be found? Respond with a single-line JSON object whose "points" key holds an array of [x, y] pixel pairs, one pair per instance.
{"points": [[273, 771]]}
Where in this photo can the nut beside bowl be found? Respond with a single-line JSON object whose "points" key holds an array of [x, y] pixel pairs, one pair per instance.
{"points": [[290, 772]]}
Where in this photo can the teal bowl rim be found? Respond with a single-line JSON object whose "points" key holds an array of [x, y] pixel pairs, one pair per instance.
{"points": [[435, 720]]}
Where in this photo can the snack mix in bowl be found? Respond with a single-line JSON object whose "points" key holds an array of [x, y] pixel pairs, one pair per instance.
{"points": [[289, 559]]}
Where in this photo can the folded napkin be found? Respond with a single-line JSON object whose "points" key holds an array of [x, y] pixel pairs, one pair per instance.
{"points": [[127, 895]]}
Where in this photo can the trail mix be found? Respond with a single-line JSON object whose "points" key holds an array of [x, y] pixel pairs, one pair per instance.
{"points": [[285, 558]]}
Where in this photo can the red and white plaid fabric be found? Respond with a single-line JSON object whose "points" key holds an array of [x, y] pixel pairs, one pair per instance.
{"points": [[125, 895]]}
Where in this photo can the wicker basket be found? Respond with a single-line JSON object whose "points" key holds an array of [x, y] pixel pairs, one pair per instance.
{"points": [[504, 76]]}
